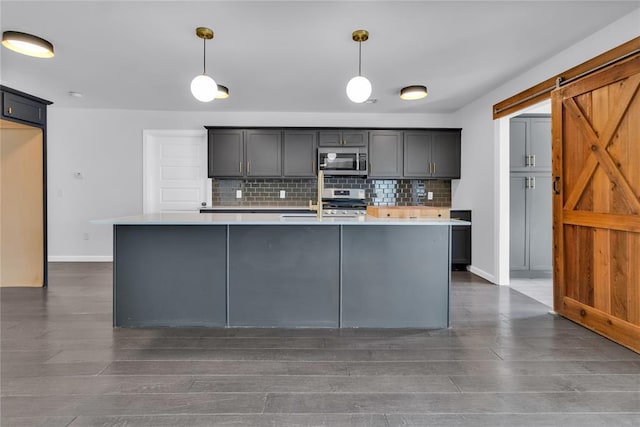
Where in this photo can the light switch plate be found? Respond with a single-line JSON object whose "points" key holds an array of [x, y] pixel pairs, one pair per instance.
{"points": [[238, 194], [430, 195], [282, 194]]}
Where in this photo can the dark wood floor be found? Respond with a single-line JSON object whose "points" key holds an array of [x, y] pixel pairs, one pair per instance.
{"points": [[506, 361]]}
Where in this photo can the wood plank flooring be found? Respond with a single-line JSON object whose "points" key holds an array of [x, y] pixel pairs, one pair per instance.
{"points": [[506, 361]]}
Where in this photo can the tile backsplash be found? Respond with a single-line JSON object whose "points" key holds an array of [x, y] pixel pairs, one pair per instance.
{"points": [[298, 192]]}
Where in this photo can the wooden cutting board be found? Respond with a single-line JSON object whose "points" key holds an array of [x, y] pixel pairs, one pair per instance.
{"points": [[408, 212]]}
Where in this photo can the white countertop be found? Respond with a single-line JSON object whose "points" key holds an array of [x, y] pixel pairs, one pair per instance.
{"points": [[195, 218]]}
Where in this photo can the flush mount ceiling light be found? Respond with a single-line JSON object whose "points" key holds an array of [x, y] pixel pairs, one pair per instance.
{"points": [[223, 92], [27, 44], [413, 92], [203, 87], [359, 87]]}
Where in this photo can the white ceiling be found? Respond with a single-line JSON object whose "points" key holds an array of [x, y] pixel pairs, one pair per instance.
{"points": [[289, 55]]}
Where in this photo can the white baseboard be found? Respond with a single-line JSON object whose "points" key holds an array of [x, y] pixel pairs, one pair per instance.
{"points": [[486, 276], [80, 258]]}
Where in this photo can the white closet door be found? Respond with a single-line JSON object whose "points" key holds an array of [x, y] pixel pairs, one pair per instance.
{"points": [[175, 170]]}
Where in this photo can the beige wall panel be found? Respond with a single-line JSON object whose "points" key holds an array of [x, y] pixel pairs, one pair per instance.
{"points": [[21, 207]]}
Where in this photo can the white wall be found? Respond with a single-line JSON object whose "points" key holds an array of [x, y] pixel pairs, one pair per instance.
{"points": [[105, 146], [485, 160]]}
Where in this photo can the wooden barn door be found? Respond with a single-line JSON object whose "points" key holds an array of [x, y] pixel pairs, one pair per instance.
{"points": [[596, 202]]}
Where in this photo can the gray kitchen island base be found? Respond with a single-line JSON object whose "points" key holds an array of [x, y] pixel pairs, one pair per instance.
{"points": [[266, 275]]}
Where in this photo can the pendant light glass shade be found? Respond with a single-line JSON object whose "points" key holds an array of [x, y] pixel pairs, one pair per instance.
{"points": [[359, 89], [27, 44], [203, 87], [411, 93]]}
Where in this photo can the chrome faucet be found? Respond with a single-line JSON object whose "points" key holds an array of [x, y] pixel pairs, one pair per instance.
{"points": [[318, 206]]}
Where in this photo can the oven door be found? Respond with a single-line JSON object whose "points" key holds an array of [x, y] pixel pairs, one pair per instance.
{"points": [[340, 161]]}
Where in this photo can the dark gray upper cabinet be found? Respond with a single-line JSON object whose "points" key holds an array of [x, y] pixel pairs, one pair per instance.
{"points": [[238, 153], [445, 154], [20, 108], [385, 154], [299, 153], [417, 154], [263, 152], [347, 137], [226, 153], [530, 143], [432, 154]]}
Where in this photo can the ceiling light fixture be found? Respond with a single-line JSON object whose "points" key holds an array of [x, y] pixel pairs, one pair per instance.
{"points": [[411, 93], [359, 87], [27, 44], [223, 92], [203, 87]]}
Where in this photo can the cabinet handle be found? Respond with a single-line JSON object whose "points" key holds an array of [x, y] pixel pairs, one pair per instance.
{"points": [[240, 167], [10, 110], [526, 182], [526, 160], [248, 166], [533, 182], [533, 161], [434, 168]]}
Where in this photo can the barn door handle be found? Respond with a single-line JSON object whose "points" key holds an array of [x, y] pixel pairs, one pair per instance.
{"points": [[556, 185]]}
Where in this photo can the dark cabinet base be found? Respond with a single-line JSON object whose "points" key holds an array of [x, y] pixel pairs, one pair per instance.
{"points": [[384, 276], [461, 241]]}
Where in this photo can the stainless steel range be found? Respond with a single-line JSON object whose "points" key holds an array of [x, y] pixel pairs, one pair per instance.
{"points": [[344, 202]]}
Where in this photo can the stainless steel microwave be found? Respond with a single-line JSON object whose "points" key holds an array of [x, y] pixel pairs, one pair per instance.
{"points": [[343, 160]]}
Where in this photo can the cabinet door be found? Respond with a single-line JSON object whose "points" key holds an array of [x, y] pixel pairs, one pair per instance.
{"points": [[355, 138], [518, 247], [225, 153], [445, 155], [540, 143], [417, 154], [540, 218], [18, 107], [518, 130], [530, 144], [385, 154], [329, 138], [299, 153], [335, 137], [264, 153], [461, 245]]}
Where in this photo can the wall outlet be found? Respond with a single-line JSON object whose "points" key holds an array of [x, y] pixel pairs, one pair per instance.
{"points": [[282, 194], [430, 195], [238, 194]]}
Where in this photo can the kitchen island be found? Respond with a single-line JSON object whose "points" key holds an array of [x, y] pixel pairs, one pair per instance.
{"points": [[280, 270]]}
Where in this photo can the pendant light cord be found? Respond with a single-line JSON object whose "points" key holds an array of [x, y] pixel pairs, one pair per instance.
{"points": [[204, 56], [359, 58]]}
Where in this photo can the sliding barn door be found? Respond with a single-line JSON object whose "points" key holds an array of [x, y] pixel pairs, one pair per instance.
{"points": [[596, 202]]}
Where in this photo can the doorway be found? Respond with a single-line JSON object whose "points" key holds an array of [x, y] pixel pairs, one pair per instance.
{"points": [[21, 205], [527, 176]]}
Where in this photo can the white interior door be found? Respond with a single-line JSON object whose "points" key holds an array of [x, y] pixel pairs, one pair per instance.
{"points": [[175, 170]]}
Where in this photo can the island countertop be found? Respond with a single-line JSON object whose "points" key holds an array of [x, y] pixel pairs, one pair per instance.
{"points": [[195, 218]]}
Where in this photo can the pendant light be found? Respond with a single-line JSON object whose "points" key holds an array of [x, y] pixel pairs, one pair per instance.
{"points": [[223, 92], [27, 44], [359, 87], [411, 93], [203, 87]]}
